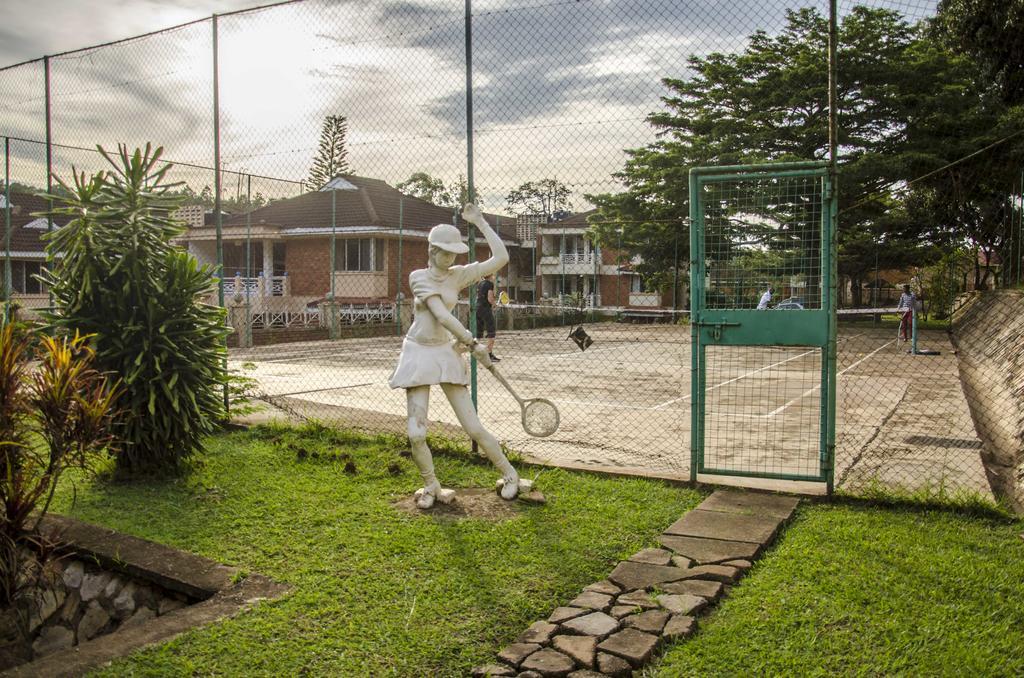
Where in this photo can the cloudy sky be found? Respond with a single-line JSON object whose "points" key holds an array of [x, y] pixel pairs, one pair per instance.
{"points": [[561, 87]]}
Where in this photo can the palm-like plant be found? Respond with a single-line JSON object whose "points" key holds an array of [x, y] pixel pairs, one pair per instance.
{"points": [[117, 277]]}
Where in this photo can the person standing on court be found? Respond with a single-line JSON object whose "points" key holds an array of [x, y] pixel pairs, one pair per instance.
{"points": [[766, 299], [485, 314], [906, 304]]}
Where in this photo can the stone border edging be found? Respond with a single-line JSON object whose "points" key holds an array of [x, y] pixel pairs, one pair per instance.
{"points": [[199, 578], [614, 626]]}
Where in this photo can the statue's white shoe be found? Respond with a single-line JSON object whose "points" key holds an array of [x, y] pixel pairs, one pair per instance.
{"points": [[425, 496], [510, 488]]}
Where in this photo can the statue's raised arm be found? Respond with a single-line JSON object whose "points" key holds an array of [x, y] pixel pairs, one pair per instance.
{"points": [[499, 253]]}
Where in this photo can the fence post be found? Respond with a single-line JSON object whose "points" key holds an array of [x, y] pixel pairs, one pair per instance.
{"points": [[216, 198], [49, 162], [7, 230]]}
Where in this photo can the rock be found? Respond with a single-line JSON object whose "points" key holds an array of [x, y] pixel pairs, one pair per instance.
{"points": [[124, 603], [696, 587], [113, 587], [620, 611], [652, 557], [681, 603], [92, 585], [722, 573], [610, 665], [630, 575], [594, 624], [52, 639], [495, 670], [169, 605], [592, 600], [637, 599], [73, 574], [604, 586], [679, 626], [707, 551], [142, 615], [651, 621], [586, 673], [632, 645], [539, 632], [94, 620], [529, 674], [743, 565], [515, 653], [682, 561], [70, 608], [146, 596], [582, 649], [562, 614], [548, 662], [532, 497], [44, 605]]}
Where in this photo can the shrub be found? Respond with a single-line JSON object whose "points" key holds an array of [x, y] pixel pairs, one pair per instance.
{"points": [[118, 278], [55, 415]]}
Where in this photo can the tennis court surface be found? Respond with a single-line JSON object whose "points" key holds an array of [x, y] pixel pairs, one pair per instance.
{"points": [[625, 402]]}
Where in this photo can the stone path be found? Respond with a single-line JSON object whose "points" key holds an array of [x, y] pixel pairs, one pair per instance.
{"points": [[614, 626]]}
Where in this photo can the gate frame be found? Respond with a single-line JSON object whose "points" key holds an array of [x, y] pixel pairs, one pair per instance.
{"points": [[819, 331]]}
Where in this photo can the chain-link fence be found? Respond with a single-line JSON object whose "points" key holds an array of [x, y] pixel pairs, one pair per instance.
{"points": [[340, 132]]}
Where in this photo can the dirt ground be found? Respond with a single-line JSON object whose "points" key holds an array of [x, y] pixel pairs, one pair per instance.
{"points": [[625, 402]]}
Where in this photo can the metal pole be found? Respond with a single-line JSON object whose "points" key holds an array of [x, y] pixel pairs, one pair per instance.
{"points": [[247, 325], [217, 190], [398, 273], [7, 231], [470, 191], [49, 163], [833, 247], [675, 276], [333, 255]]}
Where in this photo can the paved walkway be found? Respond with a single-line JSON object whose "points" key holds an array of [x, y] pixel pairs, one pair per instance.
{"points": [[614, 626]]}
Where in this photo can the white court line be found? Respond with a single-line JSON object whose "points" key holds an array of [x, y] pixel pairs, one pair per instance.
{"points": [[815, 388], [742, 376]]}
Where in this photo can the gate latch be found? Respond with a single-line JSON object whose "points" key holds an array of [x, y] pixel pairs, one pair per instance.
{"points": [[716, 327]]}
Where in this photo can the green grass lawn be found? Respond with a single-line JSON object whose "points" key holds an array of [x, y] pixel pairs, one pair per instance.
{"points": [[850, 589], [376, 591], [867, 591]]}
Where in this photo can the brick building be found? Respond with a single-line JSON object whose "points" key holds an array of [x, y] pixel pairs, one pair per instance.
{"points": [[28, 250]]}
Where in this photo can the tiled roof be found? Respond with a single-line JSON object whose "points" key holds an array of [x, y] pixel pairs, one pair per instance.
{"points": [[578, 220], [374, 202]]}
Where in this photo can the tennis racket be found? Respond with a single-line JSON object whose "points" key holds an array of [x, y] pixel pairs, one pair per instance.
{"points": [[540, 416], [503, 298]]}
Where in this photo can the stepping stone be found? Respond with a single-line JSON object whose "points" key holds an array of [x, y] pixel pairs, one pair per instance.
{"points": [[739, 564], [548, 662], [594, 624], [651, 621], [532, 497], [583, 649], [729, 526], [631, 575], [696, 587], [709, 551], [610, 665], [751, 503], [586, 673], [496, 670], [604, 586], [620, 611], [682, 561], [722, 573], [529, 674], [637, 599], [563, 614], [539, 632], [592, 600], [515, 653], [652, 557], [680, 603], [679, 626], [632, 645]]}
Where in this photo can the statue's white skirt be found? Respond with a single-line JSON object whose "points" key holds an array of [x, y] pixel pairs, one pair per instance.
{"points": [[421, 365]]}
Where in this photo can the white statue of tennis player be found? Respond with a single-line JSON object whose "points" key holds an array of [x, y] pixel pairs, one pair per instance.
{"points": [[431, 352]]}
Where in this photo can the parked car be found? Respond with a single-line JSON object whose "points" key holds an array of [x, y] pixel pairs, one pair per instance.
{"points": [[792, 303]]}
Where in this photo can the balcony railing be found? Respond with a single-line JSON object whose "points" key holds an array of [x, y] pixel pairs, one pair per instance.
{"points": [[256, 286], [568, 258]]}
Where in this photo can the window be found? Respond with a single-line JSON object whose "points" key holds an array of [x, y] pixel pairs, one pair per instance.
{"points": [[23, 277], [359, 254], [636, 284]]}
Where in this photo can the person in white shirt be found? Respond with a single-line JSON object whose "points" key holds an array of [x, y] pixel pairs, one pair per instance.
{"points": [[766, 299], [906, 304]]}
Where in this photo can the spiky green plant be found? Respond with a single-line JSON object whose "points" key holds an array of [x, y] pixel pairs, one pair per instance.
{"points": [[116, 276]]}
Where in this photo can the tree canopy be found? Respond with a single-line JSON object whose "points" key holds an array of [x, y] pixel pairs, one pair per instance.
{"points": [[332, 155]]}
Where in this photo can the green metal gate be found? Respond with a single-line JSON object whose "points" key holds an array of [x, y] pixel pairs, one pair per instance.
{"points": [[763, 379]]}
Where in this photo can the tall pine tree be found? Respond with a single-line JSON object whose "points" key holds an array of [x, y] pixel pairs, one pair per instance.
{"points": [[332, 156]]}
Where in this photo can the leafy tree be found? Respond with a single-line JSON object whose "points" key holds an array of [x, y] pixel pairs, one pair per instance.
{"points": [[118, 278], [549, 197], [770, 103], [992, 32], [437, 191], [332, 156]]}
